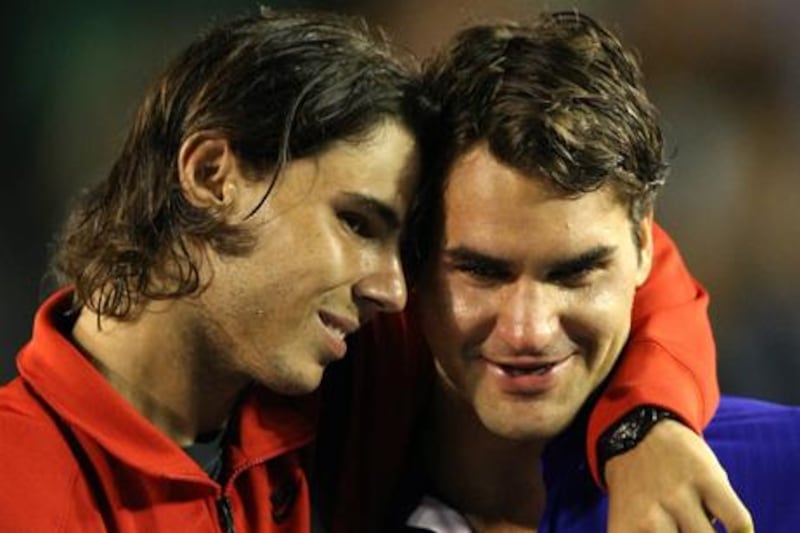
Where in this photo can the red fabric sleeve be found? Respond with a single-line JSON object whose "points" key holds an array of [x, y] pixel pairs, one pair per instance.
{"points": [[670, 359]]}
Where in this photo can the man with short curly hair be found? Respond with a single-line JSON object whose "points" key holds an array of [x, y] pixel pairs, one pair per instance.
{"points": [[541, 184]]}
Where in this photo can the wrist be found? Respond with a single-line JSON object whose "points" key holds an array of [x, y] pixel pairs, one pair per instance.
{"points": [[628, 432]]}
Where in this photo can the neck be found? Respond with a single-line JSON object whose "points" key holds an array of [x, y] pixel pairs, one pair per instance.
{"points": [[495, 482], [154, 361]]}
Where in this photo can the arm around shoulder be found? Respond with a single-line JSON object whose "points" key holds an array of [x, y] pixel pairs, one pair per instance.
{"points": [[670, 359]]}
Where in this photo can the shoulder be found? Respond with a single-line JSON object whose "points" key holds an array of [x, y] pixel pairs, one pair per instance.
{"points": [[738, 416], [26, 420], [757, 443], [756, 437], [39, 472]]}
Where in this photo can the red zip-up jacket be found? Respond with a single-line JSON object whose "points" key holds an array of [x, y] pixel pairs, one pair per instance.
{"points": [[77, 457]]}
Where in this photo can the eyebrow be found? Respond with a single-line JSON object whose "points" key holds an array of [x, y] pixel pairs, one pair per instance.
{"points": [[463, 254], [583, 261], [578, 263], [378, 208]]}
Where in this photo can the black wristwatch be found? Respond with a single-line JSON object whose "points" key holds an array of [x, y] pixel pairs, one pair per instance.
{"points": [[629, 431]]}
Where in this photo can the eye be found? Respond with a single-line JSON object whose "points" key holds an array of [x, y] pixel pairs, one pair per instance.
{"points": [[358, 223], [483, 271], [579, 276]]}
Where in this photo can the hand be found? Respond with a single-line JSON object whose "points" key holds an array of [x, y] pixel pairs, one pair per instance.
{"points": [[672, 481]]}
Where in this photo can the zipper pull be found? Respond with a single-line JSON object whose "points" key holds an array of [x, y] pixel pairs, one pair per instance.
{"points": [[225, 514]]}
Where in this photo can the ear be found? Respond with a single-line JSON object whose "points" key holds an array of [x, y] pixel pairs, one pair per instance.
{"points": [[645, 233], [208, 171]]}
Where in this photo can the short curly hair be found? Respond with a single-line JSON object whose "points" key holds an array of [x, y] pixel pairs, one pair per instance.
{"points": [[560, 97]]}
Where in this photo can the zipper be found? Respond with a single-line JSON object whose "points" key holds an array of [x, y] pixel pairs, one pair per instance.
{"points": [[224, 511], [225, 514]]}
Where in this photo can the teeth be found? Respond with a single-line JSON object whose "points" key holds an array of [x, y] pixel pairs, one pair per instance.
{"points": [[514, 371], [335, 329]]}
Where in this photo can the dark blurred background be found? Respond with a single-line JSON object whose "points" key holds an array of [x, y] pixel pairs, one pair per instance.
{"points": [[724, 73]]}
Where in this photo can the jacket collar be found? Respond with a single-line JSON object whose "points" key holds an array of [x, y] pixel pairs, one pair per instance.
{"points": [[266, 426]]}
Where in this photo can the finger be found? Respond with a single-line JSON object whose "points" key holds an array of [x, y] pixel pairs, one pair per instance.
{"points": [[723, 503], [693, 518]]}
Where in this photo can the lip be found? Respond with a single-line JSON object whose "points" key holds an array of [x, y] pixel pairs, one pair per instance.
{"points": [[527, 375], [334, 325]]}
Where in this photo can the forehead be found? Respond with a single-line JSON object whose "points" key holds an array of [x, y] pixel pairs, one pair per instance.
{"points": [[382, 164], [489, 204]]}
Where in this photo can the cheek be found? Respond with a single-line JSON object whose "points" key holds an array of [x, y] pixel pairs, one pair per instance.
{"points": [[601, 321], [453, 312], [308, 249], [469, 307]]}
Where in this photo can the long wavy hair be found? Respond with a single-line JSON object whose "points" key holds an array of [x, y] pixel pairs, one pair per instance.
{"points": [[278, 86]]}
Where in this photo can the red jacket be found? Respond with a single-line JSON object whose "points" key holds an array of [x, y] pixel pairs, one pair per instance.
{"points": [[76, 457]]}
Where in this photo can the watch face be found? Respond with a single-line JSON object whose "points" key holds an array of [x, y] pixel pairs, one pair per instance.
{"points": [[631, 429]]}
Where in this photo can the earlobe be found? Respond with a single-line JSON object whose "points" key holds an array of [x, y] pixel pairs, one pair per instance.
{"points": [[206, 168]]}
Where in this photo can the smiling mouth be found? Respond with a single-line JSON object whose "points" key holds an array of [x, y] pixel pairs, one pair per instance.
{"points": [[528, 371], [528, 367], [336, 325], [340, 333]]}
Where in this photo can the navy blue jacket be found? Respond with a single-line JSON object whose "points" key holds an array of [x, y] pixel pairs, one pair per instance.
{"points": [[757, 442]]}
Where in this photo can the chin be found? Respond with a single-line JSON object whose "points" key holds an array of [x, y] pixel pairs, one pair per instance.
{"points": [[524, 432], [296, 383], [524, 427]]}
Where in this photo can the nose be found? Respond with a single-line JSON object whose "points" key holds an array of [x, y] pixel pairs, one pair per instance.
{"points": [[528, 320], [382, 289]]}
